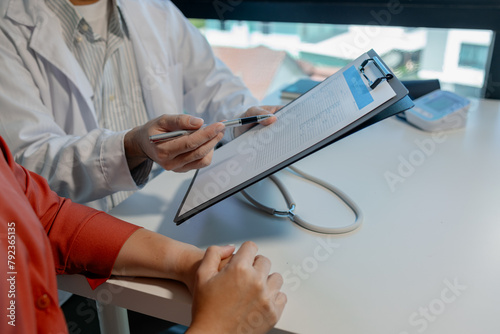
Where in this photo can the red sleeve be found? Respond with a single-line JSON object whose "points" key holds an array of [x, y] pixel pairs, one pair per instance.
{"points": [[83, 240]]}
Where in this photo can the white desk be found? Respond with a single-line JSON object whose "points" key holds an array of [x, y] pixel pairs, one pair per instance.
{"points": [[438, 228]]}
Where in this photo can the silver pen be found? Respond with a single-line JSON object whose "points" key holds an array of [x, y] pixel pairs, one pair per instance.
{"points": [[231, 123]]}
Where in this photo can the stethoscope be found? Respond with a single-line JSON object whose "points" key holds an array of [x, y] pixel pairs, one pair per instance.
{"points": [[290, 213]]}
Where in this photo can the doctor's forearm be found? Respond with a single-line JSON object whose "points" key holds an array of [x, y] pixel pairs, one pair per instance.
{"points": [[133, 152]]}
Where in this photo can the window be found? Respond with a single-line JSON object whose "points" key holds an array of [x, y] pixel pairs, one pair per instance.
{"points": [[473, 55], [269, 55]]}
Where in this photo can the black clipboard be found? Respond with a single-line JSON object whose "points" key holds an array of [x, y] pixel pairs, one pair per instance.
{"points": [[378, 73]]}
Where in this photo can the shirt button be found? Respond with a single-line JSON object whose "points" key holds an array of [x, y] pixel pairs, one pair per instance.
{"points": [[43, 302], [79, 39], [111, 98], [85, 27]]}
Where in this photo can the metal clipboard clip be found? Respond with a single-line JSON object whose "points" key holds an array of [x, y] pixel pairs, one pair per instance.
{"points": [[386, 74]]}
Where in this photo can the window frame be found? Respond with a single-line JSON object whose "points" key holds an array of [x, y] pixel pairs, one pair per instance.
{"points": [[458, 14]]}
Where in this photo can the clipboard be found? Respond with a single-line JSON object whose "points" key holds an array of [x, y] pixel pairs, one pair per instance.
{"points": [[360, 94]]}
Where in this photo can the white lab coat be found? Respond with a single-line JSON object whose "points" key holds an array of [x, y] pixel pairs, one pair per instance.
{"points": [[46, 111]]}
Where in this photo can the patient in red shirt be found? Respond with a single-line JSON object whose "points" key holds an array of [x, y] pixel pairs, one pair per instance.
{"points": [[42, 234]]}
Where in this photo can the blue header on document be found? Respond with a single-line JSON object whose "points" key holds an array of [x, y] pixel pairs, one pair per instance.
{"points": [[358, 88]]}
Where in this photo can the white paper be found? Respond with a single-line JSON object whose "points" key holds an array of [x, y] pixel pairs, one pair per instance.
{"points": [[301, 124]]}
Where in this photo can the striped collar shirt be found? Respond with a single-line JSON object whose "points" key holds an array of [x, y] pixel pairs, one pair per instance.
{"points": [[110, 66]]}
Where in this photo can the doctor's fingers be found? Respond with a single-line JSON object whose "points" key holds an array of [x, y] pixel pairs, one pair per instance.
{"points": [[197, 139], [166, 152], [262, 110], [199, 157], [254, 111], [166, 123], [196, 164]]}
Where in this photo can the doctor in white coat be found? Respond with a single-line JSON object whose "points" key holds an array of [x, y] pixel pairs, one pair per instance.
{"points": [[47, 114]]}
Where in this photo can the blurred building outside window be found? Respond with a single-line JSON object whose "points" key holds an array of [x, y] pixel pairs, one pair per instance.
{"points": [[269, 55]]}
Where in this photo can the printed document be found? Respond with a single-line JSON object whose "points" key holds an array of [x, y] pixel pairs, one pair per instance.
{"points": [[335, 103]]}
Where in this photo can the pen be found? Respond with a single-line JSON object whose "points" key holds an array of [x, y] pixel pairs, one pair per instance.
{"points": [[230, 123]]}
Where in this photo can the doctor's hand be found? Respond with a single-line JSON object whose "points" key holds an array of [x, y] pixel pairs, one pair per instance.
{"points": [[254, 111], [181, 154], [241, 297]]}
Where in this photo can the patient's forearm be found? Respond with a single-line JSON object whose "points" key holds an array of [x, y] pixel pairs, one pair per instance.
{"points": [[150, 254]]}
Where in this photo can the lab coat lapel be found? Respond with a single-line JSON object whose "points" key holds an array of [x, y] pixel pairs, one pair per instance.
{"points": [[45, 25], [160, 75]]}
